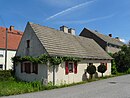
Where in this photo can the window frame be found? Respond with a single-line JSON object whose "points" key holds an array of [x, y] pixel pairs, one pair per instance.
{"points": [[74, 67], [32, 68]]}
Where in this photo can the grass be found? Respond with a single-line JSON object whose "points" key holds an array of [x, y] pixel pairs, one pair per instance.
{"points": [[14, 87]]}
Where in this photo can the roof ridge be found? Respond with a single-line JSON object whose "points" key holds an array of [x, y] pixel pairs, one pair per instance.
{"points": [[104, 35]]}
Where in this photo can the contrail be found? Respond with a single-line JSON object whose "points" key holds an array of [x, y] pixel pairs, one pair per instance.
{"points": [[69, 9], [87, 21]]}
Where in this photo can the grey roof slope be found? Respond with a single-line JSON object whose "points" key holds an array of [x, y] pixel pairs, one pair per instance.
{"points": [[58, 43], [107, 38]]}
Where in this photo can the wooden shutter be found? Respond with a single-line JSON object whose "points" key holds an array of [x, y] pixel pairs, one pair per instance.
{"points": [[75, 67], [35, 68], [66, 68], [22, 67], [106, 65]]}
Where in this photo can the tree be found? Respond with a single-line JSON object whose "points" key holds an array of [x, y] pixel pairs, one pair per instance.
{"points": [[91, 69], [122, 59], [102, 69]]}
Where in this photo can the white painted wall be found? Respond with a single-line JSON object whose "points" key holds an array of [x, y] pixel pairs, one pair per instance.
{"points": [[62, 78], [42, 73], [111, 49], [46, 73], [10, 54], [36, 48]]}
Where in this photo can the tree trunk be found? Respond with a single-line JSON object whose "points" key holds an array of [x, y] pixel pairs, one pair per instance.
{"points": [[102, 75], [91, 76]]}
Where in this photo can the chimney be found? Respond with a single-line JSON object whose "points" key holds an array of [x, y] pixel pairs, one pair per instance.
{"points": [[117, 38], [64, 29], [110, 35], [96, 31], [11, 28], [71, 31]]}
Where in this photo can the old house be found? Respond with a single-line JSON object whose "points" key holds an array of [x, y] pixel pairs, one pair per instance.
{"points": [[39, 40], [13, 39], [109, 44]]}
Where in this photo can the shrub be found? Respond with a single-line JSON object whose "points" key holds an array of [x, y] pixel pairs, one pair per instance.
{"points": [[91, 69], [102, 69], [128, 71], [6, 75], [113, 67]]}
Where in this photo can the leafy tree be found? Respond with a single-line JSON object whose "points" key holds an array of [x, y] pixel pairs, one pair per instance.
{"points": [[91, 69], [102, 69], [122, 59]]}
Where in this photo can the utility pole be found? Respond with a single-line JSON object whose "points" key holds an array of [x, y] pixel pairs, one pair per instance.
{"points": [[6, 47]]}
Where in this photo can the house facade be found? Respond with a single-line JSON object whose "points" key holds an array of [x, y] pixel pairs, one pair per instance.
{"points": [[109, 44], [13, 39], [39, 40]]}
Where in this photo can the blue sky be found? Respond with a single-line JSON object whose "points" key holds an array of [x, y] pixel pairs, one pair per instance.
{"points": [[105, 16]]}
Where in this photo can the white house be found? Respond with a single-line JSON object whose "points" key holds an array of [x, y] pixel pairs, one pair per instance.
{"points": [[14, 37], [39, 40]]}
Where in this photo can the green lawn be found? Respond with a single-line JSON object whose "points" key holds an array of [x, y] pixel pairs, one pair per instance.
{"points": [[13, 87]]}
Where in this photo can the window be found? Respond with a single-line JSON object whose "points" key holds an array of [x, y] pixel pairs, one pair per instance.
{"points": [[90, 63], [1, 66], [1, 55], [28, 43], [29, 67], [70, 67]]}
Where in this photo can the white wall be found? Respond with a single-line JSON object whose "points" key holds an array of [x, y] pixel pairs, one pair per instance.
{"points": [[62, 78], [42, 73], [36, 48], [10, 54], [111, 49], [45, 72]]}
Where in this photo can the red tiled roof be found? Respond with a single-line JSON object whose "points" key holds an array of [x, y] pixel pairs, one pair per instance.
{"points": [[14, 37]]}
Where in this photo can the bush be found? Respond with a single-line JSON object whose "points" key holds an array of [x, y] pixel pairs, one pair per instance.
{"points": [[113, 67], [91, 69], [102, 68], [6, 75], [128, 71]]}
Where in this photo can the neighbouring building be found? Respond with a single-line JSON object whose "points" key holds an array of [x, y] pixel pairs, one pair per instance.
{"points": [[13, 37], [109, 44], [39, 40]]}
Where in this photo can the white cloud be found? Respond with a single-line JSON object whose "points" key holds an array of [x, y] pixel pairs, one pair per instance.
{"points": [[123, 40], [69, 9]]}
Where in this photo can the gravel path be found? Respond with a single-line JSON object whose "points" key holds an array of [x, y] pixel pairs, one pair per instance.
{"points": [[117, 87]]}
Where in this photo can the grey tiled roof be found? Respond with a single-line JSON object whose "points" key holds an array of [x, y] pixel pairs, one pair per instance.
{"points": [[58, 43], [107, 38]]}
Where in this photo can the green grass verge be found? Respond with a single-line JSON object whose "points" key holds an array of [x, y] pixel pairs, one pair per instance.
{"points": [[13, 87]]}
